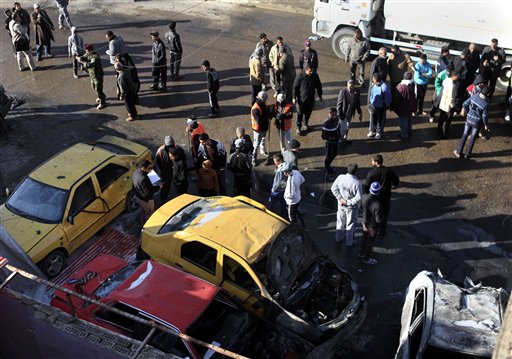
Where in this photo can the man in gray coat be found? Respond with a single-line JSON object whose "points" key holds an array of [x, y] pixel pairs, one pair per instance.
{"points": [[359, 50], [127, 90]]}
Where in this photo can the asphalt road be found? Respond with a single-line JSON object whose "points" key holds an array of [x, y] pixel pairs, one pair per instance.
{"points": [[447, 213]]}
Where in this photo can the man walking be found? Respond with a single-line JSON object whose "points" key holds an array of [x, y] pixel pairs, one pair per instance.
{"points": [[359, 50], [260, 119], [63, 14], [331, 136], [422, 74], [176, 51], [476, 108], [373, 219], [256, 73], [274, 56], [127, 91], [159, 63], [43, 27], [21, 42], [405, 100], [292, 194], [349, 101], [240, 165], [278, 186], [380, 100], [304, 88], [144, 190], [387, 180], [164, 167], [213, 87], [347, 190], [308, 56], [92, 63]]}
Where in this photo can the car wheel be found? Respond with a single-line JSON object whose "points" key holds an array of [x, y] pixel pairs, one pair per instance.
{"points": [[502, 82], [340, 42], [54, 263], [131, 202]]}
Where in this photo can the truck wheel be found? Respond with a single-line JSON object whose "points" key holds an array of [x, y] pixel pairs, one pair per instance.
{"points": [[54, 263], [131, 202], [340, 42], [502, 82]]}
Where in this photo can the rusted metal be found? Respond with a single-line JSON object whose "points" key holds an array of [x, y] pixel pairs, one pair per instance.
{"points": [[144, 342]]}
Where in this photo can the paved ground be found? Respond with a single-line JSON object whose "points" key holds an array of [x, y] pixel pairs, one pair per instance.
{"points": [[447, 213]]}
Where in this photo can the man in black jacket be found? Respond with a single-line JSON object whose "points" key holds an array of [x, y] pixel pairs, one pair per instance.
{"points": [[143, 189], [306, 83], [331, 136], [240, 165], [213, 86], [496, 57], [213, 150], [159, 62], [373, 219], [180, 169], [349, 101], [176, 51], [164, 167], [387, 179]]}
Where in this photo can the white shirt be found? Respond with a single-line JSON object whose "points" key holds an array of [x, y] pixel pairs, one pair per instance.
{"points": [[292, 190], [347, 187]]}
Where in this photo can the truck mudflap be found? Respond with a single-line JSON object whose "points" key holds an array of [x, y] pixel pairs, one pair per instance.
{"points": [[328, 348]]}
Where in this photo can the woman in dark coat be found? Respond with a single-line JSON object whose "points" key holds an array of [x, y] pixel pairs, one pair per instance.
{"points": [[43, 27]]}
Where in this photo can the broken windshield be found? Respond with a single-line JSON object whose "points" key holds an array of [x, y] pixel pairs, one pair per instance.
{"points": [[115, 280], [183, 218]]}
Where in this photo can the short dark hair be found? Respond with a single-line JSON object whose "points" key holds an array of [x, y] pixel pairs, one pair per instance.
{"points": [[485, 91], [333, 109], [109, 33], [278, 157], [423, 56], [174, 152], [172, 25], [445, 49], [144, 164], [17, 3], [495, 40], [378, 158], [377, 76], [395, 47], [263, 35], [204, 136], [352, 168], [280, 38], [206, 63]]}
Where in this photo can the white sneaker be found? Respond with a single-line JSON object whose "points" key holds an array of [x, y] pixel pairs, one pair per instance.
{"points": [[377, 136], [507, 118], [431, 119], [370, 134], [101, 105]]}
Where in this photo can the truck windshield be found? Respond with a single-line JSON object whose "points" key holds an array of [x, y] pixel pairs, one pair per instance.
{"points": [[38, 201]]}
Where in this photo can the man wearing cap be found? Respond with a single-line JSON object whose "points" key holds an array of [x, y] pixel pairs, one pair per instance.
{"points": [[164, 167], [496, 58], [349, 101], [292, 196], [291, 155], [63, 14], [405, 100], [194, 129], [247, 145], [331, 135], [260, 118], [144, 190], [373, 220], [159, 63], [240, 164], [43, 27], [278, 186], [282, 112], [388, 180], [92, 63], [476, 109], [176, 51], [306, 85], [358, 50], [127, 90], [308, 56], [347, 190], [256, 73], [75, 48]]}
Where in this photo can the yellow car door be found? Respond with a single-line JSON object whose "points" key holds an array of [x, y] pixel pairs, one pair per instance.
{"points": [[84, 214], [198, 258]]}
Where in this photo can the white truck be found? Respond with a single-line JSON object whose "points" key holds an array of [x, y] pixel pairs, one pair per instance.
{"points": [[417, 26]]}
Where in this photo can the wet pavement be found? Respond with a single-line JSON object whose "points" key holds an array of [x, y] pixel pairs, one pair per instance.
{"points": [[447, 213]]}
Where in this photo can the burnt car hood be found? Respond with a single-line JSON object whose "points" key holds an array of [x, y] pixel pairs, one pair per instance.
{"points": [[289, 256]]}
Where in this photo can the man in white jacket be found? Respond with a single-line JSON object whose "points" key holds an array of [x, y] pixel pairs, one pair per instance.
{"points": [[347, 190], [292, 192]]}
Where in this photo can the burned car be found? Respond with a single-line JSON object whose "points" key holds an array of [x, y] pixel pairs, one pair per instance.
{"points": [[443, 320], [270, 266]]}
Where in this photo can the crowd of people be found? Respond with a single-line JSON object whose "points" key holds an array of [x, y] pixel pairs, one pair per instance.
{"points": [[463, 84]]}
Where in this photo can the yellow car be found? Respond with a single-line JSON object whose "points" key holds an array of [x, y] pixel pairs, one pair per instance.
{"points": [[269, 265], [70, 197]]}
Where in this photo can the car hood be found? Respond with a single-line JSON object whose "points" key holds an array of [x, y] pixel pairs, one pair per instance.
{"points": [[23, 230], [289, 256]]}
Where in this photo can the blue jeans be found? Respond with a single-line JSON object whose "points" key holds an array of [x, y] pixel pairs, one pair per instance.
{"points": [[39, 50], [405, 126], [472, 132]]}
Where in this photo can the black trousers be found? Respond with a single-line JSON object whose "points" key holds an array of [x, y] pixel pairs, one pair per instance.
{"points": [[331, 151], [294, 214], [367, 243], [159, 73], [130, 99], [422, 91], [214, 103], [181, 188], [243, 185], [164, 192], [304, 111], [175, 63], [386, 208], [444, 123], [255, 89]]}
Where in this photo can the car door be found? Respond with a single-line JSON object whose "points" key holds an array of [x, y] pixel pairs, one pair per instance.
{"points": [[198, 258], [114, 181], [84, 214]]}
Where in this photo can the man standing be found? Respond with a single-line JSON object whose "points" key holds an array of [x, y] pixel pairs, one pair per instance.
{"points": [[115, 46], [347, 190], [127, 91], [308, 56], [349, 101], [256, 73], [380, 100], [274, 56], [180, 169], [496, 57], [24, 16], [247, 146], [287, 72], [260, 118], [422, 74], [159, 63], [304, 88], [176, 51], [291, 156], [476, 109], [447, 105], [164, 167], [405, 99], [21, 42], [359, 50], [380, 64], [43, 27], [63, 14], [331, 136], [213, 87], [144, 190], [194, 130], [444, 60], [266, 45], [438, 86], [75, 48], [399, 63], [472, 62], [373, 219], [282, 111], [292, 194], [214, 150], [92, 63], [278, 186], [387, 180], [240, 165]]}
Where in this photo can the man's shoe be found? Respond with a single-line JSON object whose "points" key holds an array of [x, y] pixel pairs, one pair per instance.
{"points": [[431, 119], [378, 136], [98, 100], [101, 105], [370, 134], [297, 131], [162, 88], [76, 77], [370, 261], [153, 87], [253, 162], [457, 154], [212, 115], [130, 118], [304, 128], [49, 55]]}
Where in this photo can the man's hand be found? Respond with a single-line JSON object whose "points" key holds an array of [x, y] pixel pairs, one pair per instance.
{"points": [[342, 202]]}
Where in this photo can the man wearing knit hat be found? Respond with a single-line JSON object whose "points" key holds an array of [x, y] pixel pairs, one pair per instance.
{"points": [[373, 219], [347, 190], [308, 56]]}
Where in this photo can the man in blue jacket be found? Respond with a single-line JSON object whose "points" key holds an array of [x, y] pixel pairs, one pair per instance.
{"points": [[422, 74], [476, 109], [380, 100]]}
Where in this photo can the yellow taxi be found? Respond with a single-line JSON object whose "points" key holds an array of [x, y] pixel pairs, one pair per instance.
{"points": [[272, 267], [70, 197]]}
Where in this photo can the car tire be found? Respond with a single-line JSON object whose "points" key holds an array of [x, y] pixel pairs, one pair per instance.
{"points": [[131, 203], [340, 40], [54, 263]]}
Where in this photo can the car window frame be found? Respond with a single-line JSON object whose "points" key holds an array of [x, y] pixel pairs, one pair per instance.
{"points": [[246, 268], [108, 184], [194, 263], [85, 205]]}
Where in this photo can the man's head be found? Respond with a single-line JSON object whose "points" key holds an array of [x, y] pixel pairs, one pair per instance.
{"points": [[308, 70], [423, 58], [350, 84], [174, 153], [191, 122], [154, 36], [395, 49], [263, 38], [16, 17], [109, 35], [454, 75], [145, 166], [375, 188], [407, 75], [286, 168], [294, 145], [376, 78], [240, 132], [472, 47], [279, 41], [118, 66], [206, 65], [494, 44], [37, 7], [377, 160], [445, 50], [307, 44], [352, 169], [8, 13], [169, 141], [89, 48], [278, 159], [464, 54], [333, 113], [239, 143], [358, 34], [262, 96], [204, 139], [484, 92], [280, 98], [17, 6], [172, 25], [258, 52], [383, 52]]}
